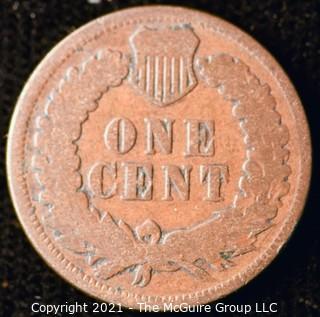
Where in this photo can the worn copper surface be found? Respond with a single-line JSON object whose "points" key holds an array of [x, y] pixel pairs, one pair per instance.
{"points": [[158, 155]]}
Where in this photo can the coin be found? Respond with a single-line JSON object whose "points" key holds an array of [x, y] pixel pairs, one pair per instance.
{"points": [[158, 155]]}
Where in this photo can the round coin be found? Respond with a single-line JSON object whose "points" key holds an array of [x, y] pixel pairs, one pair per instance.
{"points": [[158, 155]]}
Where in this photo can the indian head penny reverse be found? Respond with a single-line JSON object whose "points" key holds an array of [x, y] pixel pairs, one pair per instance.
{"points": [[158, 155]]}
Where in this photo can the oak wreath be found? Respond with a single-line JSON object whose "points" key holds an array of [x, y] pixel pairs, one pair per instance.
{"points": [[253, 208]]}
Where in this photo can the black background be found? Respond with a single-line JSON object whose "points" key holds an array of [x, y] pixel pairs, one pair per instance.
{"points": [[288, 29]]}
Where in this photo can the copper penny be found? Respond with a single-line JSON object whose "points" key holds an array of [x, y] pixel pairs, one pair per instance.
{"points": [[158, 155]]}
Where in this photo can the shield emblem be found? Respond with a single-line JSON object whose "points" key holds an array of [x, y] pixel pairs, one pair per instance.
{"points": [[162, 63]]}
